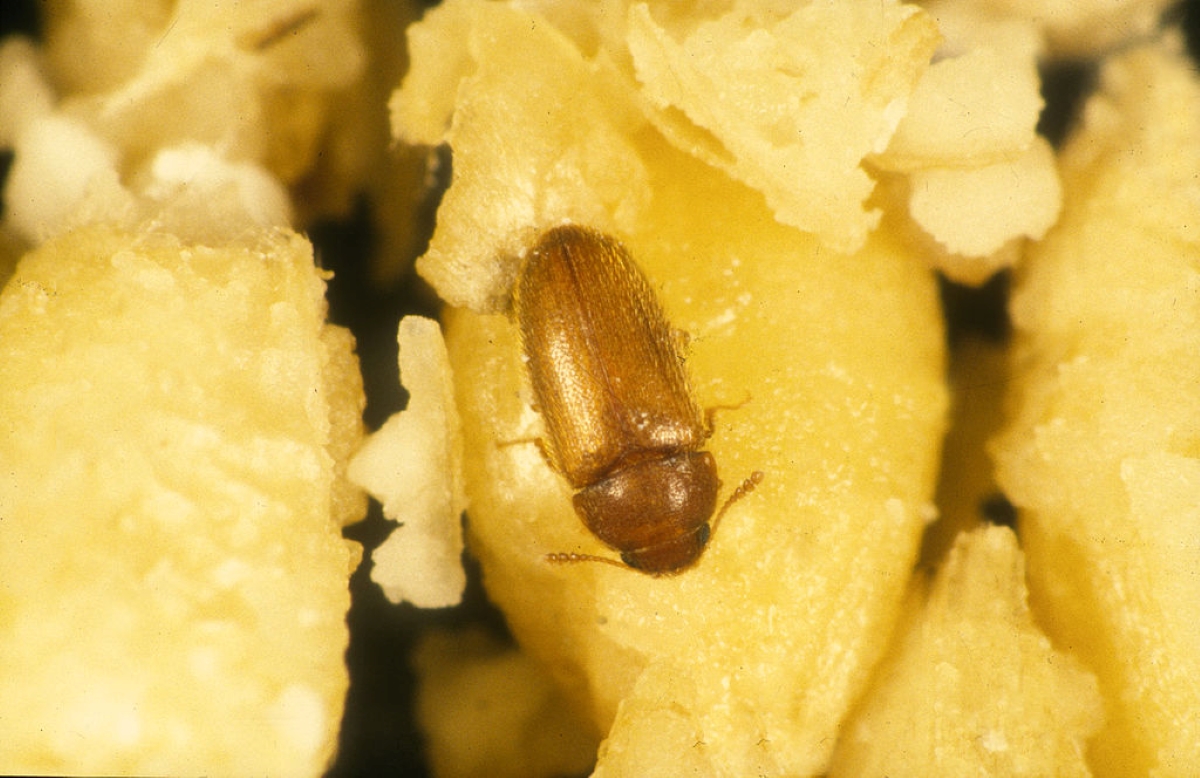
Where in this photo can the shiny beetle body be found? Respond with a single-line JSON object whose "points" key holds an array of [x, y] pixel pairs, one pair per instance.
{"points": [[621, 423]]}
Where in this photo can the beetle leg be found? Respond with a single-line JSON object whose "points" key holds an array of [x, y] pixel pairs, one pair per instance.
{"points": [[710, 414], [539, 442]]}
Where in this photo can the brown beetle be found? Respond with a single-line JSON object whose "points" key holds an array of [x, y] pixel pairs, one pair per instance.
{"points": [[622, 426]]}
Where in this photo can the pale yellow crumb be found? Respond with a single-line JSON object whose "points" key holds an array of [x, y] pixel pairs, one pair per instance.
{"points": [[977, 211], [413, 466]]}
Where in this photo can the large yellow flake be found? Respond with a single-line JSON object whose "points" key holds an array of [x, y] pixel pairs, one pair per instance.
{"points": [[1102, 450], [173, 580]]}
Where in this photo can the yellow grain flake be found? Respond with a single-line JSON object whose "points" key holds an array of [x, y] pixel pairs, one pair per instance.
{"points": [[753, 92], [972, 686], [173, 580], [413, 466], [1100, 451]]}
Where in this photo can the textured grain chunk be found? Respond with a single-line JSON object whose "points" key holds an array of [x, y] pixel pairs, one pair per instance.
{"points": [[972, 686], [173, 580], [1102, 450]]}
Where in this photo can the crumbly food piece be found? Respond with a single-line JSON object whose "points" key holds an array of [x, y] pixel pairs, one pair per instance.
{"points": [[1100, 453], [257, 80], [756, 104], [576, 124], [280, 87], [413, 465], [972, 686], [966, 159], [174, 583]]}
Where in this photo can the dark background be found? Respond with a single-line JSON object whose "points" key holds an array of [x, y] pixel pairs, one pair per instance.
{"points": [[379, 736]]}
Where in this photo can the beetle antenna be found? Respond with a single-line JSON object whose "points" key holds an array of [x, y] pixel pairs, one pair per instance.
{"points": [[744, 489], [562, 558]]}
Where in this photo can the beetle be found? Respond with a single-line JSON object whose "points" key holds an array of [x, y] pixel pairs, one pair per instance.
{"points": [[622, 426]]}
